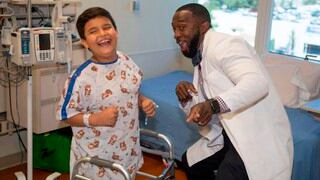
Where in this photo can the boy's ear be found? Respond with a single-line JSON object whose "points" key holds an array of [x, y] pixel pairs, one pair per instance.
{"points": [[84, 43]]}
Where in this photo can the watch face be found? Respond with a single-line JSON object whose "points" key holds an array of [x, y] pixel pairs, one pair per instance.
{"points": [[214, 106]]}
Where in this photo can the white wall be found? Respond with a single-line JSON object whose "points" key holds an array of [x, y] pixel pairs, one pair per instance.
{"points": [[148, 29], [146, 35], [11, 148]]}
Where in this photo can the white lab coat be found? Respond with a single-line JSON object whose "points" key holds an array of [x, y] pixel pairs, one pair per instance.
{"points": [[257, 125]]}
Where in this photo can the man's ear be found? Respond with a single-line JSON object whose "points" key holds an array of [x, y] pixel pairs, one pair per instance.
{"points": [[204, 27], [84, 43]]}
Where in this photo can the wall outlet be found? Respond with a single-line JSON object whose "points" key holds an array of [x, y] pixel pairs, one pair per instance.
{"points": [[135, 5], [10, 127], [3, 127], [7, 127]]}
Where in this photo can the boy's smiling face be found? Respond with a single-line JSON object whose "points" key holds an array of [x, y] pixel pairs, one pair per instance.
{"points": [[101, 38]]}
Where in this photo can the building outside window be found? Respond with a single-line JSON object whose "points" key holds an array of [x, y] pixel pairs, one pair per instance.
{"points": [[294, 28], [237, 17]]}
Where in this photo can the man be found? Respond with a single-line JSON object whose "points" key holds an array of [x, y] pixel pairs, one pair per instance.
{"points": [[245, 130]]}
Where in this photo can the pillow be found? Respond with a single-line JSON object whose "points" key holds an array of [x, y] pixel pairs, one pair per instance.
{"points": [[284, 77], [309, 81]]}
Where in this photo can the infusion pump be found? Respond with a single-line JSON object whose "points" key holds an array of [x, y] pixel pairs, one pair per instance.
{"points": [[40, 45]]}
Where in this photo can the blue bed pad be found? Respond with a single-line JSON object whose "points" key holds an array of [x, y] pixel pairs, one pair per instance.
{"points": [[170, 121], [306, 138]]}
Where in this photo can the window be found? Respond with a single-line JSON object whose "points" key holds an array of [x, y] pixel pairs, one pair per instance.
{"points": [[237, 17], [295, 29], [285, 27]]}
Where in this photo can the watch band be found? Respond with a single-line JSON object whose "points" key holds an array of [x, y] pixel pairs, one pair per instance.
{"points": [[214, 105]]}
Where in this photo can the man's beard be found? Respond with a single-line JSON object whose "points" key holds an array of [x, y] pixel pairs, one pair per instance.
{"points": [[193, 47]]}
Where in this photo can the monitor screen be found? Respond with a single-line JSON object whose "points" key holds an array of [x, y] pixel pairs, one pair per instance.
{"points": [[44, 41]]}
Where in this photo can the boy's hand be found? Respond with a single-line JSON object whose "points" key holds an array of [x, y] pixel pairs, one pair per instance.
{"points": [[149, 107], [107, 117]]}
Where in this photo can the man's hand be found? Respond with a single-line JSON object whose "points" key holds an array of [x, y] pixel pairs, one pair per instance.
{"points": [[184, 89], [200, 113]]}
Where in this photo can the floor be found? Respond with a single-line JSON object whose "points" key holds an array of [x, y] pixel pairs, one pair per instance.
{"points": [[152, 165]]}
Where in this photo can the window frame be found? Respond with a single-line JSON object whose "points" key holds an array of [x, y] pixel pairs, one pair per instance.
{"points": [[263, 31]]}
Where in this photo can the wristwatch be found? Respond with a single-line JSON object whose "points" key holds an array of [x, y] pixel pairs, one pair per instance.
{"points": [[215, 107]]}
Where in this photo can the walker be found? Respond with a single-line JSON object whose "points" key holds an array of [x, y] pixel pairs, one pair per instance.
{"points": [[167, 156]]}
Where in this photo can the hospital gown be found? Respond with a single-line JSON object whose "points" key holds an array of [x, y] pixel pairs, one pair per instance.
{"points": [[92, 88]]}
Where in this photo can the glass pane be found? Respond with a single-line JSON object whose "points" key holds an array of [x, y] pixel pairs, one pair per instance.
{"points": [[236, 17], [295, 28]]}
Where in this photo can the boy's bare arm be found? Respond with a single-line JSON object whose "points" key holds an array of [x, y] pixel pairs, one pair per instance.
{"points": [[106, 117]]}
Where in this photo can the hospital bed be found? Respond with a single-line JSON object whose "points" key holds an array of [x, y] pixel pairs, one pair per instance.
{"points": [[170, 120]]}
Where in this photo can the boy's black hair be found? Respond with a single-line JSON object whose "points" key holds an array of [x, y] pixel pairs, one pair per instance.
{"points": [[197, 10], [89, 14]]}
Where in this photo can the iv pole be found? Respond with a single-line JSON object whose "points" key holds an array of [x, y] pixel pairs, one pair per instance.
{"points": [[20, 175], [29, 110], [58, 20]]}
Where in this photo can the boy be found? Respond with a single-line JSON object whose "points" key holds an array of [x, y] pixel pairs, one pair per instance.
{"points": [[101, 100]]}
